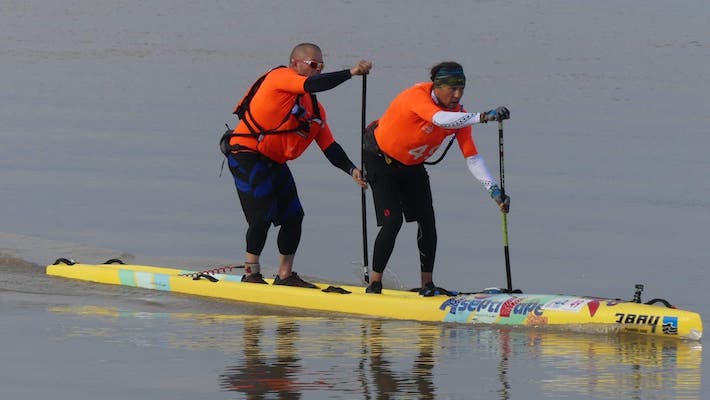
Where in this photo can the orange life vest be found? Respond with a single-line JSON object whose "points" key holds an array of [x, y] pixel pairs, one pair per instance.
{"points": [[406, 131]]}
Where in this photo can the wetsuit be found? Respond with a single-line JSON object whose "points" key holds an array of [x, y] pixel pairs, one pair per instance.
{"points": [[403, 138]]}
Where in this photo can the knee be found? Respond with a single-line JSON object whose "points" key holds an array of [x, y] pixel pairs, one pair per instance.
{"points": [[393, 221], [427, 229], [258, 229], [295, 221], [290, 235]]}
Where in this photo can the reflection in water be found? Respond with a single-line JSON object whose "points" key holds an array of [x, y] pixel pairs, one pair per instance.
{"points": [[296, 357], [386, 382], [376, 352], [630, 364], [504, 391], [261, 373]]}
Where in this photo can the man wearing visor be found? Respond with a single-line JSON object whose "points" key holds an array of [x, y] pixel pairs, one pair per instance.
{"points": [[396, 146]]}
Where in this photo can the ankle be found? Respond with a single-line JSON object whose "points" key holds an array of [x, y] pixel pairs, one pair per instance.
{"points": [[252, 268]]}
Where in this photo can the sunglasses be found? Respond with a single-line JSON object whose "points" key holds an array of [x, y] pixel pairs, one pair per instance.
{"points": [[318, 66]]}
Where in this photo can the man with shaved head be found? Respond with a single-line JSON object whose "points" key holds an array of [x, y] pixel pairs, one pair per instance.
{"points": [[279, 118]]}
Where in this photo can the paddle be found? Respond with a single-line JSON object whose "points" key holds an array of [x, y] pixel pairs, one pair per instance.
{"points": [[504, 215], [365, 265]]}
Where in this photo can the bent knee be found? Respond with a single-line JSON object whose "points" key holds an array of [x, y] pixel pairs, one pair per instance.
{"points": [[392, 222]]}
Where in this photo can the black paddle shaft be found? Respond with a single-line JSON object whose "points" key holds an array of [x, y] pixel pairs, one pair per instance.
{"points": [[365, 265], [504, 217]]}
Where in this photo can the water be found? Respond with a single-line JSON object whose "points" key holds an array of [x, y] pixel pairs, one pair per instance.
{"points": [[111, 115]]}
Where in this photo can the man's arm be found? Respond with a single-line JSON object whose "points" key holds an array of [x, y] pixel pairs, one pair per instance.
{"points": [[326, 81], [336, 155]]}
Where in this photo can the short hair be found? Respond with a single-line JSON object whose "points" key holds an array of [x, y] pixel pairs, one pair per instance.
{"points": [[303, 46]]}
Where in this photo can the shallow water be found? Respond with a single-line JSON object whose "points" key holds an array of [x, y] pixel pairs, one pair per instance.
{"points": [[111, 115], [117, 342]]}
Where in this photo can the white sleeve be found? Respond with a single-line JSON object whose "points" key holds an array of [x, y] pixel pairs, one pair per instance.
{"points": [[479, 170], [455, 120]]}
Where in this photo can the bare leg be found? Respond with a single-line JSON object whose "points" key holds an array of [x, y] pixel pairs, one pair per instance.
{"points": [[252, 259], [285, 265], [427, 277], [376, 276]]}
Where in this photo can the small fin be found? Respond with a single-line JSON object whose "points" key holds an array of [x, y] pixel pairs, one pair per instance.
{"points": [[336, 289]]}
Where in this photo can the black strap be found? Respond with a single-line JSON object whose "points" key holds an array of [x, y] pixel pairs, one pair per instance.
{"points": [[208, 277], [316, 107], [448, 146], [243, 106], [662, 301], [369, 144]]}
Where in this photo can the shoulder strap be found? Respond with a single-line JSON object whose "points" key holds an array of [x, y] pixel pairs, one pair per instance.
{"points": [[316, 107], [243, 105], [448, 146], [243, 108]]}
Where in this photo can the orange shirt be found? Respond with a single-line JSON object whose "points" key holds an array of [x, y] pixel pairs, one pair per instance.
{"points": [[406, 131], [271, 103]]}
